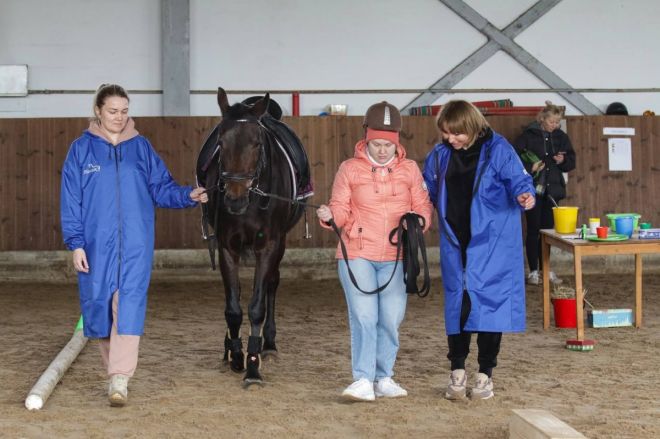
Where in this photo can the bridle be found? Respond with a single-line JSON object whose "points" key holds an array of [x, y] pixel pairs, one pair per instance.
{"points": [[225, 177]]}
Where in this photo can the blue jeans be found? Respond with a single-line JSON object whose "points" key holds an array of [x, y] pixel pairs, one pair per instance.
{"points": [[374, 318]]}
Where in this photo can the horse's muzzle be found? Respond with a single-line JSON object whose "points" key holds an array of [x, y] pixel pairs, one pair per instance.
{"points": [[237, 206]]}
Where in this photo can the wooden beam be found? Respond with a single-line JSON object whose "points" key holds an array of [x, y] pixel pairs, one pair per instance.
{"points": [[55, 371], [540, 424]]}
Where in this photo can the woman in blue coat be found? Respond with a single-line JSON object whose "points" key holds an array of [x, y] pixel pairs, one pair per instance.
{"points": [[112, 181], [479, 187]]}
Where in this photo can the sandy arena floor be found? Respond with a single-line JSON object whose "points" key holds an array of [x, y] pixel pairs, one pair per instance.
{"points": [[182, 389]]}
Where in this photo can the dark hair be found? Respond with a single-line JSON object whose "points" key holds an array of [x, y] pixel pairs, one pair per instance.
{"points": [[105, 91]]}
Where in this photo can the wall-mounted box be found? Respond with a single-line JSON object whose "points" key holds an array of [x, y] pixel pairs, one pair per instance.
{"points": [[13, 80]]}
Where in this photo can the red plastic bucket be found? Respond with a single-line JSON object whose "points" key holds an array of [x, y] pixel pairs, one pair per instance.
{"points": [[565, 313]]}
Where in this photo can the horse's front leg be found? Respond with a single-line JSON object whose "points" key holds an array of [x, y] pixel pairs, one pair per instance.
{"points": [[267, 261], [269, 332], [233, 314]]}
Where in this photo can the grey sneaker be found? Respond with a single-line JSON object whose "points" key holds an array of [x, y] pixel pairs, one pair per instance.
{"points": [[456, 387], [554, 279], [534, 278], [118, 390], [483, 388]]}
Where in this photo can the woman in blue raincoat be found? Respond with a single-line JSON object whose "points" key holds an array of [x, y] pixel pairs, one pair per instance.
{"points": [[479, 186], [112, 181]]}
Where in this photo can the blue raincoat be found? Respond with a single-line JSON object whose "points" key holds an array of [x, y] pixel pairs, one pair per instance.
{"points": [[108, 198], [494, 277]]}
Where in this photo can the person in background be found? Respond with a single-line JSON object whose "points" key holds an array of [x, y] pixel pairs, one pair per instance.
{"points": [[479, 187], [370, 193], [112, 180], [547, 153]]}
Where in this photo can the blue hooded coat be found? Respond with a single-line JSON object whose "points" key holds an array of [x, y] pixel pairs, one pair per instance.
{"points": [[108, 198], [494, 275]]}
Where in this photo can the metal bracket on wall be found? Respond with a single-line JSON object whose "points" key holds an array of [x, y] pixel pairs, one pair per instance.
{"points": [[503, 40]]}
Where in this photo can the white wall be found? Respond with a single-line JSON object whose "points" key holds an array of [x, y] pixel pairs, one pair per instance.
{"points": [[80, 44], [314, 44]]}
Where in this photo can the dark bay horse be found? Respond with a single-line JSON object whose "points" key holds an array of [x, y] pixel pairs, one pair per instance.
{"points": [[248, 164]]}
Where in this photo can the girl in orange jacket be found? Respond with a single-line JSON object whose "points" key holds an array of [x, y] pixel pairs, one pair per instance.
{"points": [[370, 193]]}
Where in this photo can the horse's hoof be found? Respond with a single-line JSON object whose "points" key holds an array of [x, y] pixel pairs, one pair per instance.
{"points": [[237, 362], [270, 355], [252, 375], [250, 382]]}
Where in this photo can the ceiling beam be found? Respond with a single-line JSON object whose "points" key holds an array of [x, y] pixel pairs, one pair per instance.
{"points": [[502, 40]]}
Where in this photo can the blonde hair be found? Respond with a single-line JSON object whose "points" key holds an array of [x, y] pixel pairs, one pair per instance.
{"points": [[105, 91], [548, 111], [462, 117]]}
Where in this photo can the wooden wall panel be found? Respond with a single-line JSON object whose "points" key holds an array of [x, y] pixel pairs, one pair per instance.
{"points": [[32, 152], [13, 135], [178, 141]]}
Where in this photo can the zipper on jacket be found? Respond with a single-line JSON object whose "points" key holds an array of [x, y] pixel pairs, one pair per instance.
{"points": [[360, 237], [119, 220]]}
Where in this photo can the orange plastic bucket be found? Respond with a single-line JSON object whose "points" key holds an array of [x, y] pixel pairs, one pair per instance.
{"points": [[565, 219], [565, 313]]}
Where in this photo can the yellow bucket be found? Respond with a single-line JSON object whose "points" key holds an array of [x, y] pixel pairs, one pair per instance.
{"points": [[565, 219]]}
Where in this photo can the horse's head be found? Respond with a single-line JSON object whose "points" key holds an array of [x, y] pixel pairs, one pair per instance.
{"points": [[241, 150]]}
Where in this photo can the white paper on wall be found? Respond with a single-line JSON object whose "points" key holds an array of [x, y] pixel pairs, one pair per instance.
{"points": [[620, 154]]}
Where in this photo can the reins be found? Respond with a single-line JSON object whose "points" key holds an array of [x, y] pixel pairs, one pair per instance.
{"points": [[410, 242]]}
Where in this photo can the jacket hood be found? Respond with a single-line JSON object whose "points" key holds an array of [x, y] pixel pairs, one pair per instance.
{"points": [[534, 126], [361, 152], [127, 133]]}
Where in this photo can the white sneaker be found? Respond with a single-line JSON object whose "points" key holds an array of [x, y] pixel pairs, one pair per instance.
{"points": [[361, 390], [483, 388], [534, 277], [118, 390], [554, 279], [456, 387], [389, 389]]}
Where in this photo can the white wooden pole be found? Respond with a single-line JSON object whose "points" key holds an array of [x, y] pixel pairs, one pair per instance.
{"points": [[55, 371]]}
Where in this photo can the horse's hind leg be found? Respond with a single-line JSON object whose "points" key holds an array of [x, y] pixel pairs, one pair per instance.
{"points": [[233, 314]]}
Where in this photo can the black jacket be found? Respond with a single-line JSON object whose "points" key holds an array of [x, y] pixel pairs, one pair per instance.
{"points": [[545, 145]]}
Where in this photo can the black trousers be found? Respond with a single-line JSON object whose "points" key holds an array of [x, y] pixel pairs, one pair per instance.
{"points": [[488, 344], [540, 217]]}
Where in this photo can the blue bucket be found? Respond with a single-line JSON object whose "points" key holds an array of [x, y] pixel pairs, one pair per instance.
{"points": [[624, 225]]}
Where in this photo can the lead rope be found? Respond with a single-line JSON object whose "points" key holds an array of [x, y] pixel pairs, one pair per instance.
{"points": [[410, 239]]}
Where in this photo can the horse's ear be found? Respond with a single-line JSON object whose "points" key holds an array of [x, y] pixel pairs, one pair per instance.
{"points": [[223, 103], [261, 106]]}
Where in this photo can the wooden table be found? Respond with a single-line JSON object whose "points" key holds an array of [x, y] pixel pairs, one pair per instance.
{"points": [[581, 247]]}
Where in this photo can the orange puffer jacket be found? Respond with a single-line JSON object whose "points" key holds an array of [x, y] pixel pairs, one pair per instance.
{"points": [[368, 201]]}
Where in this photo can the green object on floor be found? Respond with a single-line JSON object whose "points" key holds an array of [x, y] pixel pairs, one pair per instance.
{"points": [[79, 326]]}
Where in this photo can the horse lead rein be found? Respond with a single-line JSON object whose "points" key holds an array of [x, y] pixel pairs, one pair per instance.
{"points": [[261, 193]]}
